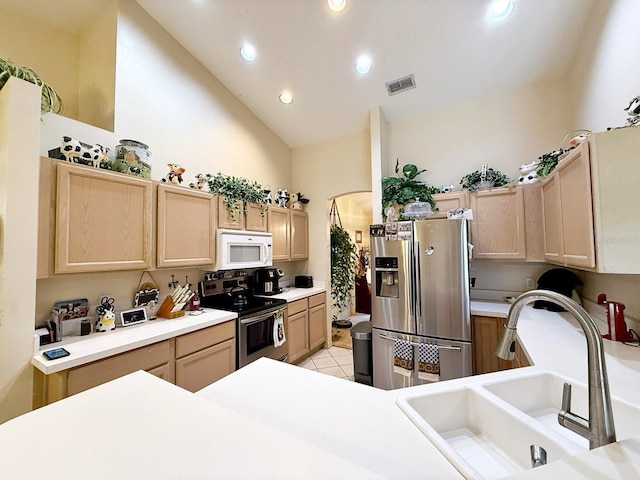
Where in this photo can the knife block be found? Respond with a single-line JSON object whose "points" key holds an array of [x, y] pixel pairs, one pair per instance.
{"points": [[166, 307]]}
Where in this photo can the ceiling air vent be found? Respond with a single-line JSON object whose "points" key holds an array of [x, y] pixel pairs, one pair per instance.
{"points": [[400, 85]]}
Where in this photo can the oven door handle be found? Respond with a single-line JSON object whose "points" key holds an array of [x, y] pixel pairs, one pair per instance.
{"points": [[260, 318]]}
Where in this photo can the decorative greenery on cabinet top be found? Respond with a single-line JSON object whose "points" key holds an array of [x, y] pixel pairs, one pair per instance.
{"points": [[400, 190], [235, 189]]}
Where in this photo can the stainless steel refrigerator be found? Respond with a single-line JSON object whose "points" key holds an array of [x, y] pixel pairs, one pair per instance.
{"points": [[420, 302]]}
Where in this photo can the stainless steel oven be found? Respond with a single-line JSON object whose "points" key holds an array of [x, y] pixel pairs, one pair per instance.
{"points": [[256, 336]]}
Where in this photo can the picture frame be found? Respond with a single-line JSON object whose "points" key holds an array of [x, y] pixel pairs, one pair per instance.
{"points": [[133, 316], [146, 297], [358, 236]]}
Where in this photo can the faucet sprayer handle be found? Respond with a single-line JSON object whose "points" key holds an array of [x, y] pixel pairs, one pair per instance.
{"points": [[566, 398]]}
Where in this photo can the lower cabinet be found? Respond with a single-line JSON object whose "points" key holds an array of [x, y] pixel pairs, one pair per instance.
{"points": [[486, 332], [306, 326], [191, 361], [205, 356]]}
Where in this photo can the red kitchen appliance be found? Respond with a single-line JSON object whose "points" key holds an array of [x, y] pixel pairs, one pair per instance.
{"points": [[615, 320]]}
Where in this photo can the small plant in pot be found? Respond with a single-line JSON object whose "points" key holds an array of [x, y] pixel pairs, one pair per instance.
{"points": [[49, 101], [403, 189], [485, 178]]}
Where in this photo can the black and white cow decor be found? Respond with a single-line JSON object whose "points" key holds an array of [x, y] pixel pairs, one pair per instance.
{"points": [[76, 151]]}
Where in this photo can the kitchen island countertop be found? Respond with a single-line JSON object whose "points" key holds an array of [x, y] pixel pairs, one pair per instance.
{"points": [[296, 423]]}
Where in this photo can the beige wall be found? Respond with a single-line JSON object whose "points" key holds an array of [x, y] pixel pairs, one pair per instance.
{"points": [[321, 172], [503, 130]]}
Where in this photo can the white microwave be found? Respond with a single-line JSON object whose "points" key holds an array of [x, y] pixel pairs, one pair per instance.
{"points": [[243, 249]]}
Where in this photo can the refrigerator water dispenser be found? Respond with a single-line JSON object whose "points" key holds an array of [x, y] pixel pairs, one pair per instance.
{"points": [[387, 277]]}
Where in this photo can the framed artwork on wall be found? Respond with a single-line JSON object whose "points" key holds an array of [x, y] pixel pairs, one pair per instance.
{"points": [[358, 236]]}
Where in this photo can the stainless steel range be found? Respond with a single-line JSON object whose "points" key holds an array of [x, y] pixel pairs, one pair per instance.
{"points": [[258, 318]]}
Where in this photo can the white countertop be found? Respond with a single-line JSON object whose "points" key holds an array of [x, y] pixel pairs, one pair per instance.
{"points": [[99, 345], [294, 422], [291, 294]]}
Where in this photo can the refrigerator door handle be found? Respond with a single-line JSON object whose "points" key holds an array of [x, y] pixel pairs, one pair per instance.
{"points": [[415, 344], [416, 288]]}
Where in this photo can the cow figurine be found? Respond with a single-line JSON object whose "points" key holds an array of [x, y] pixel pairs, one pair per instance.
{"points": [[76, 151], [528, 173], [633, 110], [282, 198], [200, 181], [106, 315], [267, 195], [175, 173], [296, 204]]}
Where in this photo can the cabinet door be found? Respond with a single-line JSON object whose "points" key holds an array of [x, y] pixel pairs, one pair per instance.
{"points": [[297, 336], [103, 220], [102, 371], [574, 175], [299, 235], [450, 201], [278, 223], [317, 326], [256, 218], [230, 218], [486, 332], [186, 227], [552, 215], [202, 368], [498, 225]]}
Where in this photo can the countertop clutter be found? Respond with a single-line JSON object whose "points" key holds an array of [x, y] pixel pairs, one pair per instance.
{"points": [[274, 420]]}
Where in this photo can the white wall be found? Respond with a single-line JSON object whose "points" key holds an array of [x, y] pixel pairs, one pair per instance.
{"points": [[605, 77], [19, 125]]}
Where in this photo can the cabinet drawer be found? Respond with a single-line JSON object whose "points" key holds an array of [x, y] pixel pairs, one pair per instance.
{"points": [[102, 371], [297, 306], [315, 300], [192, 342]]}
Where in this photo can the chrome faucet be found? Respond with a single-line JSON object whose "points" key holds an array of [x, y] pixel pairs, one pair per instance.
{"points": [[598, 428]]}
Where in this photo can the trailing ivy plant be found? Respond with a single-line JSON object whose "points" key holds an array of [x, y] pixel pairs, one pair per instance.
{"points": [[233, 189], [49, 100], [403, 189], [343, 268], [472, 180], [548, 162]]}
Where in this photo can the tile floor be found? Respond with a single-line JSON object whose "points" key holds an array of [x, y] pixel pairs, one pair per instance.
{"points": [[336, 361]]}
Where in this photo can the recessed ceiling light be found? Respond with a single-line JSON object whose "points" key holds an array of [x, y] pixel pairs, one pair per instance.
{"points": [[363, 64], [248, 52], [286, 98], [500, 9], [337, 5]]}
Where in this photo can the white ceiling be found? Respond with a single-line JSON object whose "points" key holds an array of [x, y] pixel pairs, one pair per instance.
{"points": [[455, 54]]}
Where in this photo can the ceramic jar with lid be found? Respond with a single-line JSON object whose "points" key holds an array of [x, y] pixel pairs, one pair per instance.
{"points": [[133, 158]]}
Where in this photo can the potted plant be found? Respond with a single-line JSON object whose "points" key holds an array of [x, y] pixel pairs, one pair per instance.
{"points": [[233, 189], [492, 178], [49, 101], [548, 161], [343, 270], [403, 189]]}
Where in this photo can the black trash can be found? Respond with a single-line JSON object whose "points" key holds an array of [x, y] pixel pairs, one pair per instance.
{"points": [[362, 353]]}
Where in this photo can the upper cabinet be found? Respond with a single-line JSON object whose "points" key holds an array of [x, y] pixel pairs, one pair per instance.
{"points": [[506, 223], [103, 220], [587, 201], [186, 220], [290, 233], [256, 217], [450, 201]]}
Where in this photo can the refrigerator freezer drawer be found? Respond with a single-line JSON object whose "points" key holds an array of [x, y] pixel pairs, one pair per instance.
{"points": [[455, 360]]}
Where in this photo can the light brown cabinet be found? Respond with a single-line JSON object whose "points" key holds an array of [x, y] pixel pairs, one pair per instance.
{"points": [[191, 361], [186, 226], [567, 211], [485, 333], [230, 218], [290, 230], [256, 217], [449, 201], [507, 223], [103, 220], [205, 356], [306, 326]]}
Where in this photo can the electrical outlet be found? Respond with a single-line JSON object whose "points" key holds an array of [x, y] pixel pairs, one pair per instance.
{"points": [[530, 284]]}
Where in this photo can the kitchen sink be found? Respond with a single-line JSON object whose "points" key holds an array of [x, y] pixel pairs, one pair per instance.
{"points": [[482, 436], [540, 397]]}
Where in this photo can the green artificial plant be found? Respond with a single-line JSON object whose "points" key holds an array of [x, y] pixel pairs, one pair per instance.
{"points": [[344, 261], [548, 161], [49, 100], [403, 189], [234, 189], [472, 180]]}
